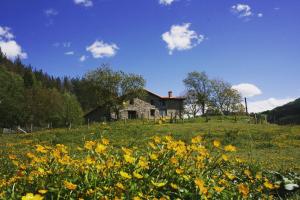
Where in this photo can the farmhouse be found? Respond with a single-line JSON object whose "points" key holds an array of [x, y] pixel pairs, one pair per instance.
{"points": [[151, 106]]}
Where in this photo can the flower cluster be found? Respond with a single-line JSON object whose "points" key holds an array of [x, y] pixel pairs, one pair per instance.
{"points": [[165, 169]]}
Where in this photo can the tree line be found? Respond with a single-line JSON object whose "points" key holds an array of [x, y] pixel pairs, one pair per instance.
{"points": [[30, 97]]}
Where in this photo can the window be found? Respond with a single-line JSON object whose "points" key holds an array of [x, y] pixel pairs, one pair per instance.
{"points": [[152, 112], [131, 102]]}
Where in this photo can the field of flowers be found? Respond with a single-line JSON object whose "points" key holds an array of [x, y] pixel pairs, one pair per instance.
{"points": [[163, 168]]}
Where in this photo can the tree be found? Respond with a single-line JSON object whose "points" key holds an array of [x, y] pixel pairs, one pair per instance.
{"points": [[72, 112], [11, 99], [109, 89], [191, 104], [199, 84]]}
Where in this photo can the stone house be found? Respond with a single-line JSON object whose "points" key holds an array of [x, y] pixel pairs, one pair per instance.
{"points": [[151, 106]]}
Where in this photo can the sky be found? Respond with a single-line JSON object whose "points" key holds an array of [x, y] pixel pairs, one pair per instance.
{"points": [[254, 45]]}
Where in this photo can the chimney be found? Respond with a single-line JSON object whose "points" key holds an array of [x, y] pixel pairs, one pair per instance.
{"points": [[170, 94]]}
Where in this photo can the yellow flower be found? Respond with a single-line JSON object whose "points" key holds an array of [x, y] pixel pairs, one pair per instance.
{"points": [[159, 184], [89, 160], [120, 185], [100, 148], [89, 144], [179, 171], [197, 139], [136, 198], [219, 189], [230, 148], [243, 189], [152, 145], [137, 175], [105, 141], [40, 148], [70, 185], [153, 156], [247, 172], [43, 191], [200, 184], [30, 196], [129, 159], [216, 143], [225, 157], [229, 175], [125, 175], [268, 185], [12, 157], [258, 175], [127, 151], [157, 139], [174, 186], [143, 163], [174, 160]]}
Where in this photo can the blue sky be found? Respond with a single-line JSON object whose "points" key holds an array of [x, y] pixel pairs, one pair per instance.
{"points": [[253, 42]]}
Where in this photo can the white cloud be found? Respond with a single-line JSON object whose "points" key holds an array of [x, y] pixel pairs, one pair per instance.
{"points": [[247, 89], [82, 58], [242, 10], [260, 15], [268, 104], [181, 38], [69, 53], [5, 33], [85, 3], [166, 2], [100, 49], [9, 46], [50, 12]]}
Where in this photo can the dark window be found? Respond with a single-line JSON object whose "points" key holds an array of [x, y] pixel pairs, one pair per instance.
{"points": [[131, 101], [152, 102], [163, 103], [152, 112]]}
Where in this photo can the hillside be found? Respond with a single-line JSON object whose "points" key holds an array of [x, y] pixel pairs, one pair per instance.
{"points": [[286, 114]]}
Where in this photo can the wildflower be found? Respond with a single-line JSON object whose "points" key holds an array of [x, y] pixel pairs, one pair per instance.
{"points": [[127, 151], [89, 145], [137, 175], [41, 149], [70, 185], [229, 175], [159, 184], [243, 189], [179, 171], [247, 172], [216, 143], [143, 163], [200, 184], [156, 139], [120, 185], [152, 145], [258, 175], [153, 156], [225, 157], [230, 148], [105, 141], [89, 160], [12, 157], [174, 186], [129, 159], [43, 191], [125, 175], [100, 148], [197, 139], [30, 196], [268, 185], [219, 189], [174, 160]]}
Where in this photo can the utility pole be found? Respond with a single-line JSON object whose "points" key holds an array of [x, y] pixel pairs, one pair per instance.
{"points": [[246, 106]]}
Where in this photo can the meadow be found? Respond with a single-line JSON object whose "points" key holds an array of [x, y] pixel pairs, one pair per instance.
{"points": [[250, 150]]}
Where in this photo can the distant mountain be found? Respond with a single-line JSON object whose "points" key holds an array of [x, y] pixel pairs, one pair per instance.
{"points": [[286, 114]]}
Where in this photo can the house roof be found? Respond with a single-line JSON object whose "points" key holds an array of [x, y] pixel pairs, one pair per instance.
{"points": [[166, 97]]}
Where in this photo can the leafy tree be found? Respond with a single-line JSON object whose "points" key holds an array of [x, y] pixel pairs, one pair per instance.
{"points": [[191, 104], [199, 85], [11, 99], [72, 112]]}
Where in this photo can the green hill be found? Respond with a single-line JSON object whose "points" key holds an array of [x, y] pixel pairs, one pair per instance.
{"points": [[286, 114]]}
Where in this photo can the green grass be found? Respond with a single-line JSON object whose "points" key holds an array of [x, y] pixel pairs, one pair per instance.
{"points": [[274, 147]]}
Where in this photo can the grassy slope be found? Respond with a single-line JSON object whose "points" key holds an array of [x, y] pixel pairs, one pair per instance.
{"points": [[275, 147]]}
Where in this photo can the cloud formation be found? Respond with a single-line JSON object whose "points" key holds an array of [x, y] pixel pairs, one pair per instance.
{"points": [[242, 10], [180, 38], [85, 3], [268, 104], [247, 89], [82, 58], [9, 46], [100, 49], [166, 2]]}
